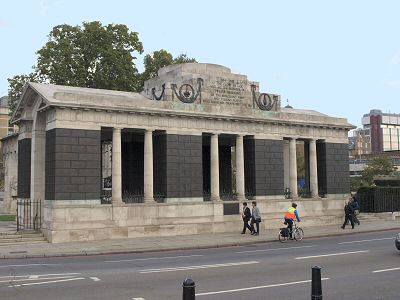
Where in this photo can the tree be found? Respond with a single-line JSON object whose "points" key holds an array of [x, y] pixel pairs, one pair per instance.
{"points": [[16, 86], [380, 165], [91, 55], [159, 59]]}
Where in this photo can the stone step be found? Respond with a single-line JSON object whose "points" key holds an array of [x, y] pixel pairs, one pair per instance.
{"points": [[21, 237]]}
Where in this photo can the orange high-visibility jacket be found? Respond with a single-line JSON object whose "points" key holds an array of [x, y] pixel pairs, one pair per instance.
{"points": [[291, 213]]}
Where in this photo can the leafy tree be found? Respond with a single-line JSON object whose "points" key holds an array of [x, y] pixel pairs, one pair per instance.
{"points": [[182, 58], [159, 59], [155, 61], [16, 87], [380, 165], [91, 55]]}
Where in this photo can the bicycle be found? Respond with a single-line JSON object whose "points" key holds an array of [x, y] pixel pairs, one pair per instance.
{"points": [[284, 233]]}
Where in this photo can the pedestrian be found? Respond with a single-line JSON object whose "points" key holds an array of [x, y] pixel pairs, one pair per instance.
{"points": [[255, 218], [290, 216], [246, 216], [348, 211], [356, 210]]}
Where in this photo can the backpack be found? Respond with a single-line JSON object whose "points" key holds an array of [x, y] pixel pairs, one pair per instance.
{"points": [[284, 232]]}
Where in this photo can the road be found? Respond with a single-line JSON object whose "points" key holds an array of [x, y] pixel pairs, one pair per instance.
{"points": [[361, 266]]}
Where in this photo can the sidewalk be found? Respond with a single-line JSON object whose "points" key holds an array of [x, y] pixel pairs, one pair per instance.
{"points": [[148, 244]]}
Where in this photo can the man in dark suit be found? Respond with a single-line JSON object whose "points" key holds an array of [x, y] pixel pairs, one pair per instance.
{"points": [[246, 216]]}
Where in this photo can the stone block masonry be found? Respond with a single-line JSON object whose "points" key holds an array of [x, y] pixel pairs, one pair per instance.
{"points": [[333, 168], [184, 173], [73, 164], [264, 167], [24, 168]]}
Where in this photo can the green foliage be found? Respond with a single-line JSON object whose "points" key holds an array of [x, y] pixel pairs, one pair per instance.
{"points": [[380, 165], [91, 55], [16, 87], [159, 59]]}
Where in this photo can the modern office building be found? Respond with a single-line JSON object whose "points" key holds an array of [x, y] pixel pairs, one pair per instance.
{"points": [[383, 129]]}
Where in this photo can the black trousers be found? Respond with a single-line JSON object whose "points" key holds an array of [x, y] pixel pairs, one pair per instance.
{"points": [[246, 225], [290, 227], [257, 225], [348, 218]]}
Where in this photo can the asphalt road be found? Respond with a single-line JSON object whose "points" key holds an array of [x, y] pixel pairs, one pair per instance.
{"points": [[361, 266]]}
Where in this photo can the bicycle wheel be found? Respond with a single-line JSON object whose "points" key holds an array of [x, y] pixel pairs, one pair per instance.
{"points": [[298, 234], [282, 239]]}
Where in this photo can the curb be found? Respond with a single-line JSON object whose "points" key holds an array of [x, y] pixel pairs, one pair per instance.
{"points": [[187, 248]]}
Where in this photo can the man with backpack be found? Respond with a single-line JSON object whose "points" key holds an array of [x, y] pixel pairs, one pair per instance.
{"points": [[356, 210]]}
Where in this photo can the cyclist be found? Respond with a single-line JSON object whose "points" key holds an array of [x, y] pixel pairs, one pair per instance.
{"points": [[290, 215]]}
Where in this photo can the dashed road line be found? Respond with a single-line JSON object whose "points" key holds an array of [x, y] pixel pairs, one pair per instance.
{"points": [[95, 278], [274, 249], [256, 287], [364, 241], [386, 270], [46, 282], [148, 271], [331, 254], [152, 258]]}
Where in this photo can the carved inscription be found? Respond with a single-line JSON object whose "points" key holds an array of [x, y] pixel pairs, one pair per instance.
{"points": [[227, 91]]}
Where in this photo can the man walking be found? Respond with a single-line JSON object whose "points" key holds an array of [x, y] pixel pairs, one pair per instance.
{"points": [[348, 210], [246, 216], [356, 210]]}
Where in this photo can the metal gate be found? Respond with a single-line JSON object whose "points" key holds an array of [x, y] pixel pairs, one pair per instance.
{"points": [[29, 215]]}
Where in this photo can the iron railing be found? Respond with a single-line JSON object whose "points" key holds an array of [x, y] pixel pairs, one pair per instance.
{"points": [[29, 214], [380, 199]]}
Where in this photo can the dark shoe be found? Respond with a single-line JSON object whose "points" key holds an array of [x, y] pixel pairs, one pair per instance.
{"points": [[256, 233], [352, 227], [342, 227], [243, 232], [253, 233]]}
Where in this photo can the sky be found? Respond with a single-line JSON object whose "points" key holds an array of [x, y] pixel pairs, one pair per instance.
{"points": [[341, 58]]}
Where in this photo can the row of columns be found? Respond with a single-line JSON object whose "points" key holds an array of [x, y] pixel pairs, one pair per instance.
{"points": [[215, 193], [293, 168]]}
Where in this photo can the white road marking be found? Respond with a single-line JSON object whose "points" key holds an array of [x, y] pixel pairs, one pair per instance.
{"points": [[147, 271], [46, 282], [31, 279], [95, 278], [152, 258], [362, 241], [138, 298], [33, 276], [332, 254], [256, 287], [385, 270], [28, 265], [38, 275], [274, 249]]}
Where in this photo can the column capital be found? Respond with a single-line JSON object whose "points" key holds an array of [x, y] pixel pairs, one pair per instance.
{"points": [[149, 130]]}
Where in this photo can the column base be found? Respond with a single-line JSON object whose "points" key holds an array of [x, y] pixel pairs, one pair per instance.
{"points": [[215, 199], [149, 200]]}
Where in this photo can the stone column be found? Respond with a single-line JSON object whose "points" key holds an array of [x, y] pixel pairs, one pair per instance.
{"points": [[148, 166], [286, 166], [214, 178], [116, 167], [293, 168], [313, 168], [240, 168]]}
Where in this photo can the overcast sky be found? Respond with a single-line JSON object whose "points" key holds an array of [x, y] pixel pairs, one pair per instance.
{"points": [[341, 58]]}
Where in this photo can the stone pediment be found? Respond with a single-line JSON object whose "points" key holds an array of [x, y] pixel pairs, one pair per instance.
{"points": [[209, 84]]}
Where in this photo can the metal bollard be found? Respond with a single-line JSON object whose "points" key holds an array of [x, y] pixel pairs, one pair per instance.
{"points": [[188, 289], [316, 285]]}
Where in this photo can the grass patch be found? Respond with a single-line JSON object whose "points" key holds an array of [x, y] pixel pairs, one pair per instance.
{"points": [[4, 218]]}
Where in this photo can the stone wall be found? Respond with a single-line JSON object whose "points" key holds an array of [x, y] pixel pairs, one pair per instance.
{"points": [[64, 223], [264, 167], [73, 164], [184, 173], [24, 168], [333, 168]]}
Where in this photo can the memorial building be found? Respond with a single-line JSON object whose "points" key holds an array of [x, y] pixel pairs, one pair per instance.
{"points": [[178, 158]]}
